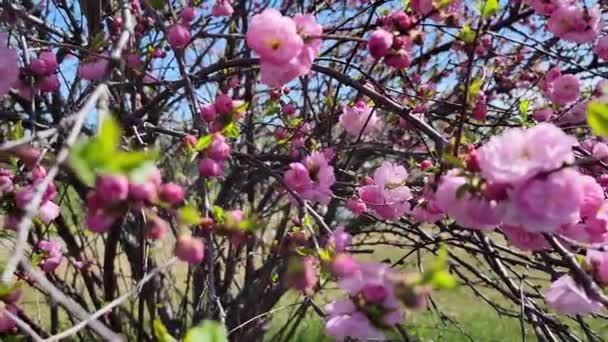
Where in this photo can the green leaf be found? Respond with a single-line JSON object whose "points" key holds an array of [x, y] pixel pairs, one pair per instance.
{"points": [[474, 88], [219, 214], [443, 3], [207, 331], [241, 108], [127, 162], [189, 216], [203, 142], [161, 333], [523, 106], [466, 34], [80, 164], [231, 130], [597, 118], [17, 131], [487, 7], [442, 280], [437, 275]]}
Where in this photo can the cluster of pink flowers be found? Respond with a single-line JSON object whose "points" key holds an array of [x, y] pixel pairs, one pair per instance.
{"points": [[452, 9], [115, 193], [389, 41], [560, 89], [311, 179], [569, 20], [360, 119], [94, 69], [387, 193], [287, 47], [527, 188], [220, 112]]}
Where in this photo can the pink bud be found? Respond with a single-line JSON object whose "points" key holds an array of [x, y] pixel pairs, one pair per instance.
{"points": [[49, 84], [426, 164], [208, 112], [401, 20], [223, 104], [344, 265], [600, 151], [210, 168], [6, 185], [158, 53], [473, 161], [289, 109], [156, 228], [178, 36], [190, 140], [480, 110], [171, 193], [219, 150], [45, 64], [143, 192], [301, 273], [113, 188], [356, 205], [189, 249], [188, 14], [379, 43], [13, 297], [398, 60], [222, 8], [99, 221]]}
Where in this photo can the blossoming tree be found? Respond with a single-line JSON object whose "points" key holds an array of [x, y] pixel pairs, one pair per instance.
{"points": [[177, 170]]}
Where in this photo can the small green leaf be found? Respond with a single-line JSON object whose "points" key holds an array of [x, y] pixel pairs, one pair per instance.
{"points": [[597, 118], [161, 333], [207, 331], [443, 3], [241, 108], [17, 131], [474, 88], [523, 106], [487, 7], [231, 130], [189, 216], [219, 214], [466, 34], [203, 142]]}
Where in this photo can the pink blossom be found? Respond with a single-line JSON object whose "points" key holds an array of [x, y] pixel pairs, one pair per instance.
{"points": [[208, 112], [576, 114], [276, 75], [112, 188], [575, 24], [188, 14], [99, 221], [567, 297], [171, 193], [6, 185], [339, 240], [219, 150], [344, 265], [95, 70], [224, 104], [601, 48], [524, 240], [48, 212], [210, 168], [9, 68], [52, 255], [274, 37], [313, 179], [389, 195], [544, 204], [49, 84], [145, 191], [344, 321], [178, 36], [399, 59], [467, 210], [45, 64], [189, 249], [356, 205], [156, 228], [6, 323], [599, 264], [517, 155], [593, 196], [222, 8], [359, 119], [566, 89], [379, 43], [543, 114]]}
